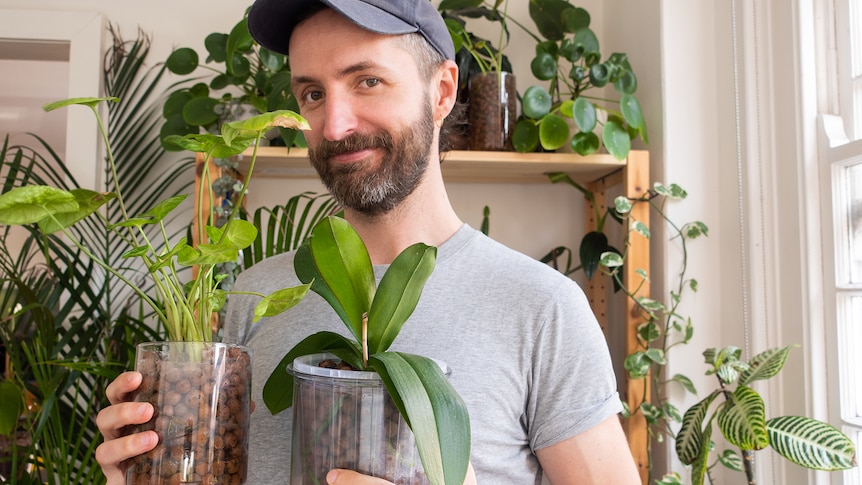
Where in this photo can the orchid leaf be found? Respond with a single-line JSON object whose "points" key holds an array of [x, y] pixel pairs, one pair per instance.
{"points": [[398, 294], [435, 412]]}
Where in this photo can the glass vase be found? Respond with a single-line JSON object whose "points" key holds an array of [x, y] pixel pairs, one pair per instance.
{"points": [[492, 111], [201, 394]]}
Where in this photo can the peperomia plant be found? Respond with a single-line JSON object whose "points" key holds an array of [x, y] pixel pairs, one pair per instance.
{"points": [[569, 58], [183, 308], [335, 261]]}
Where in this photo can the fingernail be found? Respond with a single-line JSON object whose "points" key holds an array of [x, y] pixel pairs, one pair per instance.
{"points": [[147, 439], [332, 476], [144, 409]]}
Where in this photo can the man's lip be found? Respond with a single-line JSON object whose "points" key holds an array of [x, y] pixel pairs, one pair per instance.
{"points": [[350, 157]]}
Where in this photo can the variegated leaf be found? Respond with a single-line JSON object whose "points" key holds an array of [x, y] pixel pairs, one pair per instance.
{"points": [[742, 420], [811, 443], [765, 365], [689, 440]]}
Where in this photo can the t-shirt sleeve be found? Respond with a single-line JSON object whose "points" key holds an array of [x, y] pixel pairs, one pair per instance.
{"points": [[573, 383]]}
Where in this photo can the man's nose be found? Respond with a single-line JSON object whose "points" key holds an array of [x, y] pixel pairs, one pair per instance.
{"points": [[341, 118]]}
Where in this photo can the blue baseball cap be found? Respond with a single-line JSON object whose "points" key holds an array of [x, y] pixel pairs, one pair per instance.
{"points": [[271, 22]]}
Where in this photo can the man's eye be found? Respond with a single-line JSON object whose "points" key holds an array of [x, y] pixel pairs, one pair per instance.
{"points": [[312, 96], [371, 82]]}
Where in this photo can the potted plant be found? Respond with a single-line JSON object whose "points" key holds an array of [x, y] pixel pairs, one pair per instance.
{"points": [[198, 387], [486, 82], [570, 59], [741, 417], [349, 420]]}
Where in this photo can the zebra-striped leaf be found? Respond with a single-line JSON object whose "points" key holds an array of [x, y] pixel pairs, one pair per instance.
{"points": [[765, 365], [701, 462], [742, 420], [811, 443], [689, 440]]}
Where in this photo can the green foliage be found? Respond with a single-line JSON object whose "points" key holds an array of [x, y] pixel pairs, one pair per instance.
{"points": [[741, 418], [184, 310], [569, 58], [335, 262], [248, 78]]}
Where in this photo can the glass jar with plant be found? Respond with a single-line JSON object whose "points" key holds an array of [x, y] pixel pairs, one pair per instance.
{"points": [[355, 413], [569, 58], [200, 388], [485, 74]]}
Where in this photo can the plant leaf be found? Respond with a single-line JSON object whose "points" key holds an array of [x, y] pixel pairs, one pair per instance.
{"points": [[279, 301], [278, 389], [811, 443], [690, 439], [398, 294], [592, 246], [32, 203], [88, 202], [742, 420], [343, 262], [616, 140], [765, 365], [11, 405], [436, 413]]}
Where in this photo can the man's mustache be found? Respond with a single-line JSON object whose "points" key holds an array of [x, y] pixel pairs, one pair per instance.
{"points": [[355, 142]]}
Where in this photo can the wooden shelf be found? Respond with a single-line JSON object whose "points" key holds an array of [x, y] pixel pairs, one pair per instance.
{"points": [[458, 166]]}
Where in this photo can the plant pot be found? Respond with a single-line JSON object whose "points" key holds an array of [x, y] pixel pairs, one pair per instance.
{"points": [[346, 419], [201, 395], [492, 111]]}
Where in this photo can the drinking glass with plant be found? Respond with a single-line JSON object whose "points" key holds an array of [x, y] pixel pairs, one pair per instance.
{"points": [[199, 388]]}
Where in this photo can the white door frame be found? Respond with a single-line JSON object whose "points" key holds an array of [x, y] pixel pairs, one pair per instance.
{"points": [[84, 32]]}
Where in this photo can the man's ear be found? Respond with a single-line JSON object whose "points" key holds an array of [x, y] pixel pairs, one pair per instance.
{"points": [[446, 83]]}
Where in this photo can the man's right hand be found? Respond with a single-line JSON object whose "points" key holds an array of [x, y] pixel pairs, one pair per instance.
{"points": [[114, 418]]}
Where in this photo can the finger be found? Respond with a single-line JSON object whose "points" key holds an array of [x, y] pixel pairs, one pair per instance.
{"points": [[120, 389], [111, 454], [349, 477], [113, 419]]}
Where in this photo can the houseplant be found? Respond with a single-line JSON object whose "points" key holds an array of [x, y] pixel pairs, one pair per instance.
{"points": [[569, 58], [337, 265], [741, 417], [190, 419], [486, 82], [66, 329]]}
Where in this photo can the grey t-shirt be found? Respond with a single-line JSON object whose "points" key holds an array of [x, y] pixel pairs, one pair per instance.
{"points": [[526, 353]]}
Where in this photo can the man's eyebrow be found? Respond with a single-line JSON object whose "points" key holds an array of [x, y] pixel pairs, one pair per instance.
{"points": [[351, 69]]}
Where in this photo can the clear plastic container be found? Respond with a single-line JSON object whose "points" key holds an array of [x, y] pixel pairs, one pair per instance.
{"points": [[346, 419]]}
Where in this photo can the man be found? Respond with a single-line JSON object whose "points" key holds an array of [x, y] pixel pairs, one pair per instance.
{"points": [[376, 79]]}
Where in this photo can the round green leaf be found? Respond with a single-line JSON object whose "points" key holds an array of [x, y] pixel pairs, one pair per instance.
{"points": [[585, 143], [175, 103], [586, 40], [632, 112], [200, 90], [536, 102], [201, 111], [239, 66], [553, 132], [525, 137], [548, 47], [627, 83], [575, 19], [566, 108], [599, 75], [216, 45], [219, 82], [544, 66], [616, 140], [584, 113], [272, 61], [182, 61], [175, 125], [570, 51]]}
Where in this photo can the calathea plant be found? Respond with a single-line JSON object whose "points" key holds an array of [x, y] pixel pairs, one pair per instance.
{"points": [[335, 261], [741, 419]]}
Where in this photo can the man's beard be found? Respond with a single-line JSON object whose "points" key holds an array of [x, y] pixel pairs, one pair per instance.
{"points": [[376, 192]]}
